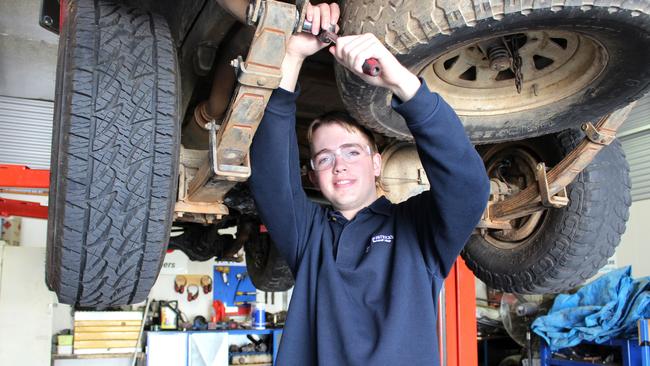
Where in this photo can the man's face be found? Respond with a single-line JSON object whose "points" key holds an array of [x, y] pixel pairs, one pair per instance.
{"points": [[349, 186]]}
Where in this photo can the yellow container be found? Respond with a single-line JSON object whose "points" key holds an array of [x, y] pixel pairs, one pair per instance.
{"points": [[64, 340]]}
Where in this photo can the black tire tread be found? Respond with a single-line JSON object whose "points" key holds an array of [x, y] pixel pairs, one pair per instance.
{"points": [[266, 267], [117, 156], [592, 226]]}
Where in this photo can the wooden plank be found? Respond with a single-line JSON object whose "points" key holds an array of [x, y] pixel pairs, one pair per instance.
{"points": [[140, 355], [107, 315], [104, 344], [107, 329], [109, 323], [106, 335], [95, 351]]}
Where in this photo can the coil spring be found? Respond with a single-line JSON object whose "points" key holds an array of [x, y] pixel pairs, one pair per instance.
{"points": [[497, 52]]}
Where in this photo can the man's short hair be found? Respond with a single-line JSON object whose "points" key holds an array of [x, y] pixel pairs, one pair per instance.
{"points": [[344, 120]]}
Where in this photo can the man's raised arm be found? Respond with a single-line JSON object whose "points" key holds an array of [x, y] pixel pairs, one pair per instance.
{"points": [[444, 216], [275, 181]]}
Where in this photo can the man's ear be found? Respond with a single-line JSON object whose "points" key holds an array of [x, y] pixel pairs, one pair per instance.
{"points": [[376, 164], [313, 178]]}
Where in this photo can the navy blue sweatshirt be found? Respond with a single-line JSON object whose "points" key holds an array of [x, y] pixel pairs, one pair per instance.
{"points": [[373, 301]]}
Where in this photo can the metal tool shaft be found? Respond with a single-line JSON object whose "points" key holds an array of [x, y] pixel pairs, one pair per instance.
{"points": [[370, 66]]}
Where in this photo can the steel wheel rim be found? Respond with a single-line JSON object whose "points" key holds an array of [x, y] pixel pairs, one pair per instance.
{"points": [[576, 61]]}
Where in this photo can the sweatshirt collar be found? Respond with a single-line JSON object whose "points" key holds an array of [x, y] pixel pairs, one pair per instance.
{"points": [[380, 206]]}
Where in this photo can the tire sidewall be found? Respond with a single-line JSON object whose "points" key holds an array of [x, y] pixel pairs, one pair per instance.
{"points": [[62, 103]]}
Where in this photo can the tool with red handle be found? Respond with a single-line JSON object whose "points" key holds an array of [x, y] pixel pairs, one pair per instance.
{"points": [[370, 66]]}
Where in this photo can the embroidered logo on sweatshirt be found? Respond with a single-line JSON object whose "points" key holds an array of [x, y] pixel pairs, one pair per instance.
{"points": [[379, 239], [382, 239]]}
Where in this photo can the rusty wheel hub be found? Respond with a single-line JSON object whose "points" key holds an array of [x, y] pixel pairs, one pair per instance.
{"points": [[479, 79], [515, 167]]}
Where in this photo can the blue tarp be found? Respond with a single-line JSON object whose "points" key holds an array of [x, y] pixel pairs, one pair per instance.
{"points": [[607, 308]]}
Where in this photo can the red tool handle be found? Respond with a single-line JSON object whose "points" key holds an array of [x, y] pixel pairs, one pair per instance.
{"points": [[371, 67]]}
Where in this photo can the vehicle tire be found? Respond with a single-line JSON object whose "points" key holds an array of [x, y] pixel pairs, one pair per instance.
{"points": [[266, 267], [201, 243], [580, 60], [561, 248], [514, 360], [114, 155]]}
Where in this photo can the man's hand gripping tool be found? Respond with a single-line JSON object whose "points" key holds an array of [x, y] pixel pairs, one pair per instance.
{"points": [[370, 66]]}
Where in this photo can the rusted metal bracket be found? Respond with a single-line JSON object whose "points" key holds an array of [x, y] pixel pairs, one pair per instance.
{"points": [[551, 188], [596, 136], [558, 200], [255, 78], [498, 190], [258, 76], [228, 160]]}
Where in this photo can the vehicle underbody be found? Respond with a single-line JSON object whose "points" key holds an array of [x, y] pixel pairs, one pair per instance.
{"points": [[535, 88]]}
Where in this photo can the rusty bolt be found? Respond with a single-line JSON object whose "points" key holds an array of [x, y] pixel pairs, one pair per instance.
{"points": [[500, 64], [584, 127]]}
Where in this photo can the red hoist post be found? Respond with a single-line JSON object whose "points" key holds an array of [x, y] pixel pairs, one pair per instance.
{"points": [[19, 176], [457, 318]]}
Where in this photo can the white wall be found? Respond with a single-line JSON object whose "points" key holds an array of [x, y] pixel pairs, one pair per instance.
{"points": [[25, 307], [635, 243]]}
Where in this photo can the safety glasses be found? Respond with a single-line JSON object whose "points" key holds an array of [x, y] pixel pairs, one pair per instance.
{"points": [[349, 152]]}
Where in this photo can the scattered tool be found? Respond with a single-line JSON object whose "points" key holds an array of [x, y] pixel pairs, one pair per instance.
{"points": [[370, 66], [246, 293], [224, 270]]}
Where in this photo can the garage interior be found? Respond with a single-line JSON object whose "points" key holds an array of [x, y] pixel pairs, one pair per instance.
{"points": [[204, 308]]}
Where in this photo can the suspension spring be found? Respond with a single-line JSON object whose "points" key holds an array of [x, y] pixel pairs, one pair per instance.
{"points": [[499, 58]]}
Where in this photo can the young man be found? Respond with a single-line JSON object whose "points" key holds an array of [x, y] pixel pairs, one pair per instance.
{"points": [[368, 272]]}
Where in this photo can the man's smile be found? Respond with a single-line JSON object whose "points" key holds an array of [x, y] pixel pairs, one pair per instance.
{"points": [[344, 183]]}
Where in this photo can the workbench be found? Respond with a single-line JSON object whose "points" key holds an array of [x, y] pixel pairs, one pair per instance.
{"points": [[184, 348]]}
